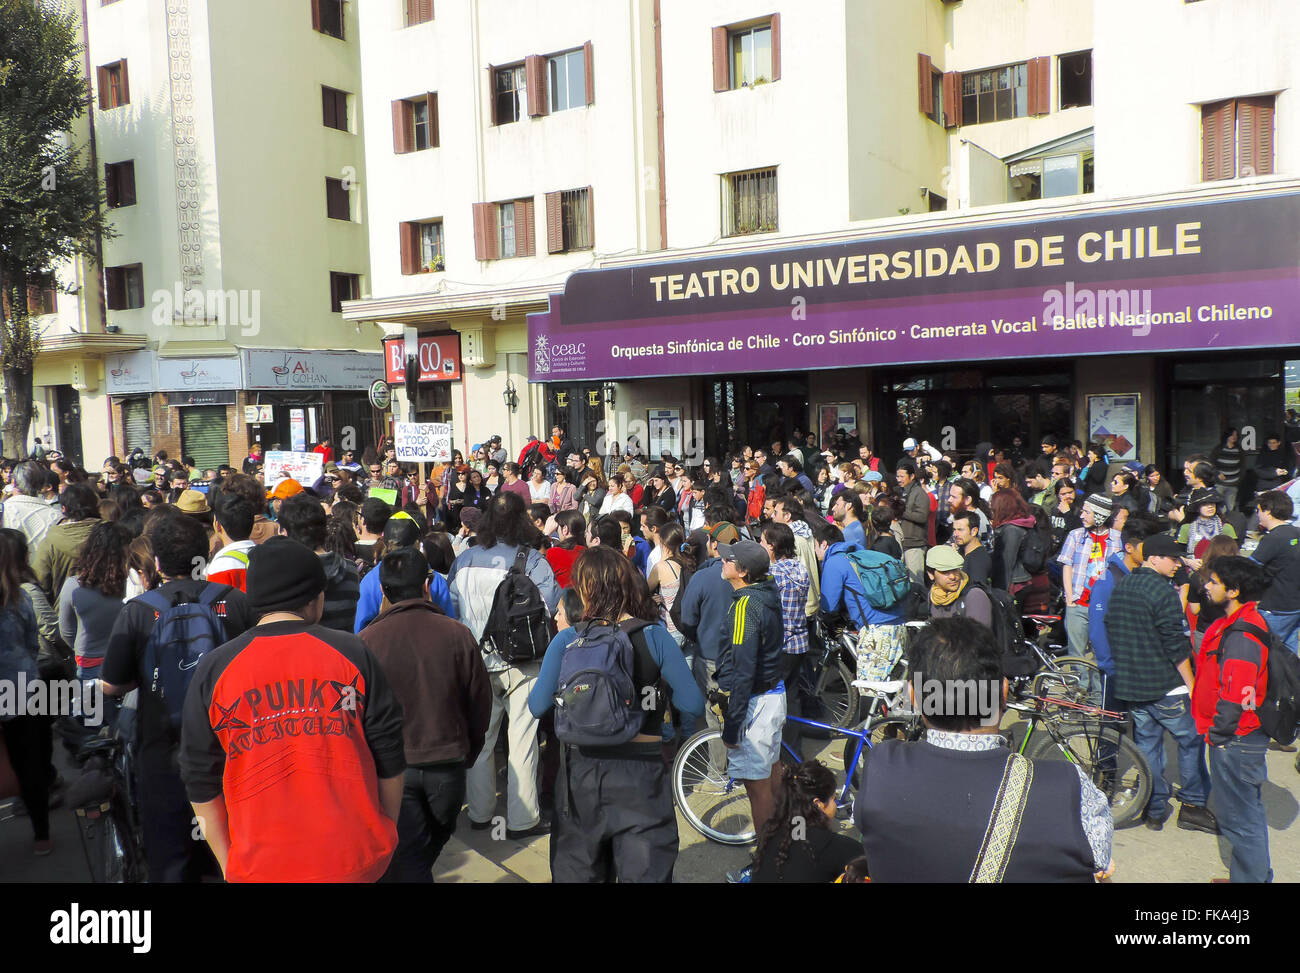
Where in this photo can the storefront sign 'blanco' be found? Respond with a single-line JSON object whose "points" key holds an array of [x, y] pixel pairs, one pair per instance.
{"points": [[422, 442]]}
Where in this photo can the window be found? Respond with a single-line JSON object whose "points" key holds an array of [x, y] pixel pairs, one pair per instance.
{"points": [[509, 93], [119, 184], [745, 55], [504, 229], [566, 76], [334, 105], [937, 203], [751, 56], [1075, 72], [338, 201], [418, 12], [114, 89], [1237, 138], [749, 202], [42, 294], [343, 287], [1047, 177], [421, 244], [568, 221], [124, 287], [327, 17], [415, 123], [995, 95]]}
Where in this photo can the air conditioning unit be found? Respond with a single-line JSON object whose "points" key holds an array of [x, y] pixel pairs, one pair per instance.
{"points": [[478, 348]]}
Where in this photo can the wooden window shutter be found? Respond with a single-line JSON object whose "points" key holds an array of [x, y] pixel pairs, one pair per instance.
{"points": [[101, 81], [951, 99], [1255, 136], [591, 219], [525, 231], [115, 285], [535, 78], [126, 184], [399, 127], [554, 224], [432, 100], [111, 177], [591, 73], [409, 236], [924, 90], [721, 66], [315, 14], [34, 301], [1218, 140], [426, 8], [126, 85], [492, 93], [1040, 85], [485, 231], [776, 47], [327, 107]]}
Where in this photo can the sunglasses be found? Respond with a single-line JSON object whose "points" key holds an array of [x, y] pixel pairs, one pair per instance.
{"points": [[374, 469]]}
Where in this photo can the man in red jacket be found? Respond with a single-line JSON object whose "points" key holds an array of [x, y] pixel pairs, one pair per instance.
{"points": [[1231, 678]]}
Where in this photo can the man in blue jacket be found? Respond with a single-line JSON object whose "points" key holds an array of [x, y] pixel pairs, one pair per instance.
{"points": [[842, 589], [402, 530], [706, 604]]}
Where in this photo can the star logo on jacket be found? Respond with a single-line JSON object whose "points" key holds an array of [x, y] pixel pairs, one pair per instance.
{"points": [[351, 698], [229, 721]]}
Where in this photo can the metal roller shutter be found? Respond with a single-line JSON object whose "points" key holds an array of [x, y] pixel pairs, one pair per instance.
{"points": [[135, 426], [203, 435]]}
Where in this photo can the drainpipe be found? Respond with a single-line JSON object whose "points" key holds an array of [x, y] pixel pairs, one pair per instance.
{"points": [[659, 122], [94, 165]]}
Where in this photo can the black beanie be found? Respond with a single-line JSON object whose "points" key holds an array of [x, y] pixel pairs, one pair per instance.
{"points": [[283, 575]]}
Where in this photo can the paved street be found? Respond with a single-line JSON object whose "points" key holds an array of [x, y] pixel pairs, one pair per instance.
{"points": [[473, 856]]}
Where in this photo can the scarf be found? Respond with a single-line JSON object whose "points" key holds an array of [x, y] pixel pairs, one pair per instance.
{"points": [[942, 599], [800, 529], [1203, 529]]}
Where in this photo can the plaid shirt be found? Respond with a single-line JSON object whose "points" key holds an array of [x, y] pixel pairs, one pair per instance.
{"points": [[792, 584], [1144, 625], [1086, 558]]}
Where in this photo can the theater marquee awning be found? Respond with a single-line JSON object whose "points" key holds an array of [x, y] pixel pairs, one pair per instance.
{"points": [[1218, 273]]}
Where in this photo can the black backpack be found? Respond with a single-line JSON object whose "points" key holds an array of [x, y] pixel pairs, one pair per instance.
{"points": [[1279, 711], [1036, 545], [1006, 623], [519, 626]]}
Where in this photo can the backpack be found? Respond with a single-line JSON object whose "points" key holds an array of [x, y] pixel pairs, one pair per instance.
{"points": [[1279, 711], [184, 632], [1006, 623], [519, 626], [1035, 551], [884, 579], [597, 702]]}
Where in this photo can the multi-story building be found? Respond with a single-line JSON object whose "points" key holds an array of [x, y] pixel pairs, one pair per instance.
{"points": [[229, 138]]}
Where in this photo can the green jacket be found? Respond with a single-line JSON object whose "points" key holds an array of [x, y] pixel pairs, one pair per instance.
{"points": [[58, 554]]}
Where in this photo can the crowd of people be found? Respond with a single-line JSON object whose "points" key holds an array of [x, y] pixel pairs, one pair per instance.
{"points": [[353, 645]]}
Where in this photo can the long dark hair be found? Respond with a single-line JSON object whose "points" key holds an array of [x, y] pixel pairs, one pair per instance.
{"points": [[19, 541], [801, 785], [577, 527], [11, 574], [673, 537], [610, 587], [105, 559]]}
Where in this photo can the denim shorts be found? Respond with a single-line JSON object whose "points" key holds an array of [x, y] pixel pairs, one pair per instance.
{"points": [[760, 743]]}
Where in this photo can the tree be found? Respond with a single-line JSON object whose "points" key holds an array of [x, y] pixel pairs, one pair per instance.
{"points": [[51, 207]]}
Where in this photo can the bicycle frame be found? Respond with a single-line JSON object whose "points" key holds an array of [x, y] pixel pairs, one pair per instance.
{"points": [[863, 743]]}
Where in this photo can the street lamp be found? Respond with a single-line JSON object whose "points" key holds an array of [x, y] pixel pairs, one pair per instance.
{"points": [[511, 396]]}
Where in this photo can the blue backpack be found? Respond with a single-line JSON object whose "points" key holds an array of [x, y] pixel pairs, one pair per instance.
{"points": [[884, 579], [184, 632], [596, 699]]}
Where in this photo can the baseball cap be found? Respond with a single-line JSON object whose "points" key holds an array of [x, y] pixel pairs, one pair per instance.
{"points": [[944, 558], [401, 531], [909, 444], [1161, 545], [748, 555], [285, 489]]}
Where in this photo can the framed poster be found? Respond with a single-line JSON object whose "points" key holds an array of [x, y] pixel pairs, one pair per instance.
{"points": [[665, 426], [1113, 422], [834, 416]]}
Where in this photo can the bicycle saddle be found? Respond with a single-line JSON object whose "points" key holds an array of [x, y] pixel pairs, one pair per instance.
{"points": [[887, 688]]}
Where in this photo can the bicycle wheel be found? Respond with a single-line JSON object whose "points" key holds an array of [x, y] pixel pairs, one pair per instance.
{"points": [[879, 729], [113, 845], [1109, 759], [1089, 687], [713, 803], [836, 699]]}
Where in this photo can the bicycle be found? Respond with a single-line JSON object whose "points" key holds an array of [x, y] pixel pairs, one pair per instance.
{"points": [[832, 677], [1077, 731], [104, 802], [717, 806]]}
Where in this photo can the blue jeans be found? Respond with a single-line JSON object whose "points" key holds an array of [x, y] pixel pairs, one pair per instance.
{"points": [[1286, 626], [1151, 721], [1239, 772]]}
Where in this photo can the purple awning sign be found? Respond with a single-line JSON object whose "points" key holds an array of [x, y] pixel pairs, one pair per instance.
{"points": [[1190, 276]]}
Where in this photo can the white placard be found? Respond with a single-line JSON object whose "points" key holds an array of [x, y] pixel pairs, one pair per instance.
{"points": [[306, 468], [255, 415], [132, 372], [422, 442]]}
